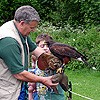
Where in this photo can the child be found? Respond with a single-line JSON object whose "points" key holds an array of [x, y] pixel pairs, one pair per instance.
{"points": [[47, 93], [36, 90]]}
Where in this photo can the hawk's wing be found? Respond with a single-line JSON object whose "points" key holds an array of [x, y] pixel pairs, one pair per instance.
{"points": [[62, 50]]}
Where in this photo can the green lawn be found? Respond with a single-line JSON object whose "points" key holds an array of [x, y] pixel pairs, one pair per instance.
{"points": [[85, 82]]}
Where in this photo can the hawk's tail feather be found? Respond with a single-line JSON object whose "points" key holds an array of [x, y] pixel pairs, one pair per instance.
{"points": [[86, 63]]}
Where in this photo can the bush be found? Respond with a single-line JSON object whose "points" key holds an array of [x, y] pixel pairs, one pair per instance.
{"points": [[58, 12], [8, 7], [85, 41]]}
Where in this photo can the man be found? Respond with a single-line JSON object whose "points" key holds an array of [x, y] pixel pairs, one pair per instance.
{"points": [[15, 46]]}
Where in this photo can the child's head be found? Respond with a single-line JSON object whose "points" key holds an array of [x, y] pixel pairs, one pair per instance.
{"points": [[41, 41], [42, 37]]}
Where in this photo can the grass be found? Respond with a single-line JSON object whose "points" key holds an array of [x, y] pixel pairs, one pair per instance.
{"points": [[85, 82]]}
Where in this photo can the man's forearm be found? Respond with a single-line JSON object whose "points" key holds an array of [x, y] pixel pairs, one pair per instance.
{"points": [[28, 77]]}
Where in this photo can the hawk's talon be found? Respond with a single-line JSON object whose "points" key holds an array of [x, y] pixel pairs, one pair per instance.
{"points": [[59, 70]]}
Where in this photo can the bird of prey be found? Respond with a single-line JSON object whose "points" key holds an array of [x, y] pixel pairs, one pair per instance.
{"points": [[64, 52]]}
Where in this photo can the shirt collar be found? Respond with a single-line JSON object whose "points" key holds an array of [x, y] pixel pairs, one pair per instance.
{"points": [[23, 38]]}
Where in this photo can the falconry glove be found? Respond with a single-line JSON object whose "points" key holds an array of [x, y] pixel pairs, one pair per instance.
{"points": [[46, 60]]}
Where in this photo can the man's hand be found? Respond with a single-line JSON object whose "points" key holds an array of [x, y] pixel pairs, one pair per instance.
{"points": [[48, 82], [57, 78], [62, 79], [46, 60]]}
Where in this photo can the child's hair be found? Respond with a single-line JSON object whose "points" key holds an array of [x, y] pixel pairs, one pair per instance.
{"points": [[42, 37]]}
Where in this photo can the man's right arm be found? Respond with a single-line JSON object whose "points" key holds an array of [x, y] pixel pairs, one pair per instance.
{"points": [[29, 77]]}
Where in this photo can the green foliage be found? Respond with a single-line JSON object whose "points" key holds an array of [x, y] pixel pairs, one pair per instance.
{"points": [[8, 7], [85, 41], [74, 12], [58, 12]]}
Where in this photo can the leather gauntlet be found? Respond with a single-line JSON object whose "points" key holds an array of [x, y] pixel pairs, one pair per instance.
{"points": [[46, 60]]}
